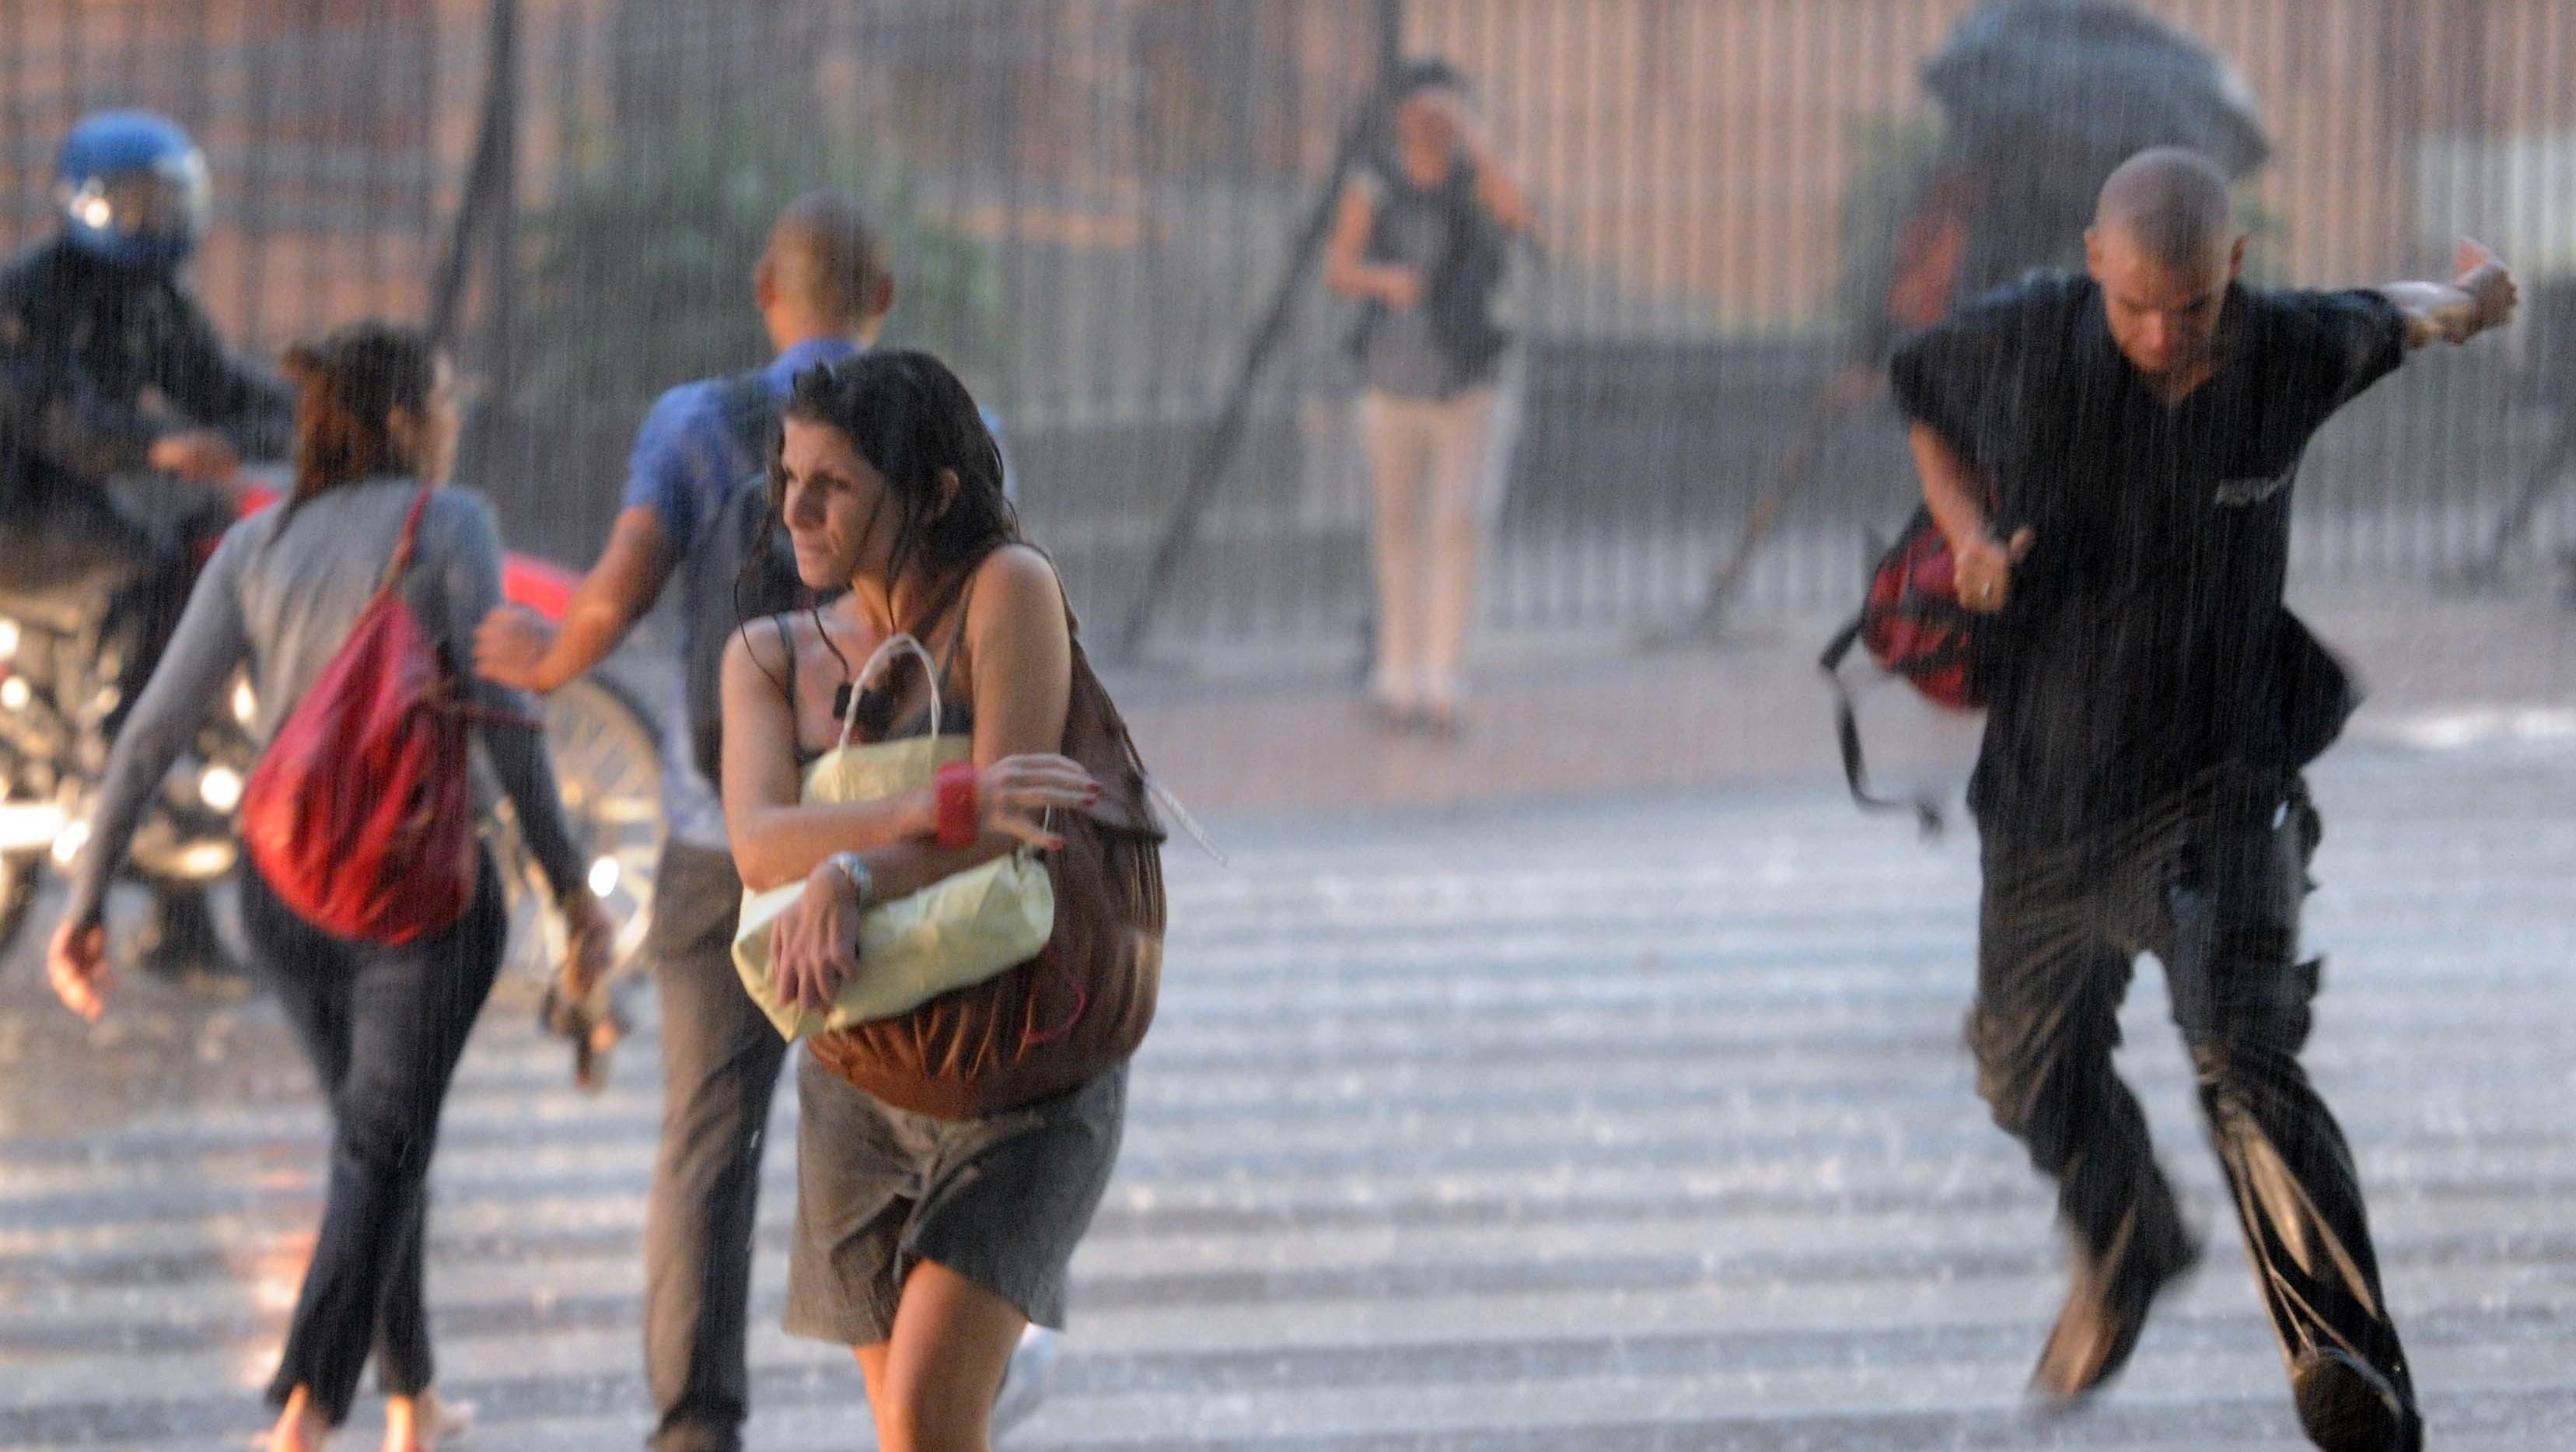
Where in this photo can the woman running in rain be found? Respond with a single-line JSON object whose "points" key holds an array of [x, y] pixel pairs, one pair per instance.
{"points": [[376, 421]]}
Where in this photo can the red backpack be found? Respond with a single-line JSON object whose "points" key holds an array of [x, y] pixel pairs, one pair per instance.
{"points": [[1913, 626], [361, 814]]}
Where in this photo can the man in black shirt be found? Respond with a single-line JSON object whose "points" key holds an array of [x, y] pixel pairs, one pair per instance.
{"points": [[2111, 459]]}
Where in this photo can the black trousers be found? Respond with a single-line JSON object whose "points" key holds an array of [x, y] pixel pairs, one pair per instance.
{"points": [[2214, 893], [384, 1027]]}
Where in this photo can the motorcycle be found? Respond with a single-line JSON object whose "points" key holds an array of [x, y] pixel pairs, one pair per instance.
{"points": [[59, 666]]}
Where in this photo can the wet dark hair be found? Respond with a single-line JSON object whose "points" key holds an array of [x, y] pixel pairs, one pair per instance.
{"points": [[912, 420], [347, 386]]}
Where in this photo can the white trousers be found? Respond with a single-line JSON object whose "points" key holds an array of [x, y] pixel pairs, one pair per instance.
{"points": [[1428, 468]]}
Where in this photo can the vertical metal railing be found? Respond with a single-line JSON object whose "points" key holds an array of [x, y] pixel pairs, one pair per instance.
{"points": [[1102, 200]]}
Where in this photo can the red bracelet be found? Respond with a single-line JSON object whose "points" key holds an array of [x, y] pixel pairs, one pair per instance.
{"points": [[959, 820]]}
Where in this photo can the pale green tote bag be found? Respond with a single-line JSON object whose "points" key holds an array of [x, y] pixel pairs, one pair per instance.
{"points": [[958, 931]]}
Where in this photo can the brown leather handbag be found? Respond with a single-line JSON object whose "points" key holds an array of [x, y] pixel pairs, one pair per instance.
{"points": [[1080, 1007]]}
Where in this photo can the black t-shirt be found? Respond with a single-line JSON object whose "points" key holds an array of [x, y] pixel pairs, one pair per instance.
{"points": [[2145, 644]]}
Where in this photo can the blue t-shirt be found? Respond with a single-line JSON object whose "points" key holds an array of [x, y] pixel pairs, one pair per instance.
{"points": [[686, 463], [687, 459]]}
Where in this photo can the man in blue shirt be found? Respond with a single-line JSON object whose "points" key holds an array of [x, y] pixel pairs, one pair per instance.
{"points": [[823, 289]]}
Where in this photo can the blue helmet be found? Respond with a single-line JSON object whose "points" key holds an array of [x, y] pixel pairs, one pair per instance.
{"points": [[132, 189]]}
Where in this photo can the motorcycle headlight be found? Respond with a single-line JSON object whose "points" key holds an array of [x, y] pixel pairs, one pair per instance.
{"points": [[8, 637], [25, 826], [220, 788], [245, 703], [14, 693]]}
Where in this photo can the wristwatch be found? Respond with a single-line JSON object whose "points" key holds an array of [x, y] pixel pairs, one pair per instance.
{"points": [[854, 868]]}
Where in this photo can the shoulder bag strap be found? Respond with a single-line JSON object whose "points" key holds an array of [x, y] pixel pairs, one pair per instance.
{"points": [[408, 543]]}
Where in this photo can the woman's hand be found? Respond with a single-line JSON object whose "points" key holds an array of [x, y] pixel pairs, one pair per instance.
{"points": [[76, 964], [590, 940], [814, 945], [577, 1008], [1014, 794]]}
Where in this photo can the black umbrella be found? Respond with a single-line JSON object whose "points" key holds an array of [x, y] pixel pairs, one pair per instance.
{"points": [[2078, 86]]}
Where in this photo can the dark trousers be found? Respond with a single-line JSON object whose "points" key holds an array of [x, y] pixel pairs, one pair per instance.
{"points": [[384, 1027], [2215, 895], [720, 1062]]}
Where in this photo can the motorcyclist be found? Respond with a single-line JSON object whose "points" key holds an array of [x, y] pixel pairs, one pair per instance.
{"points": [[123, 419]]}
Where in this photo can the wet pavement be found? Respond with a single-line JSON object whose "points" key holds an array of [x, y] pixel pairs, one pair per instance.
{"points": [[1625, 1122], [1618, 1126]]}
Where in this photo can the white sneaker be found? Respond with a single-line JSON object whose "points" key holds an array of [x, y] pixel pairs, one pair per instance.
{"points": [[1024, 1381]]}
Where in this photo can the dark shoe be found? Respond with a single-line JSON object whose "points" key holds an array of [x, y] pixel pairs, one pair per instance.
{"points": [[2347, 1407], [2103, 1318]]}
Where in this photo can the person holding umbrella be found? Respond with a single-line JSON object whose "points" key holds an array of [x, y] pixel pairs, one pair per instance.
{"points": [[2111, 457], [2039, 100]]}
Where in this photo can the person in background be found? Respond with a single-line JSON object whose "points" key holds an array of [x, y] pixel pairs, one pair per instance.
{"points": [[123, 419], [383, 1025], [1422, 243]]}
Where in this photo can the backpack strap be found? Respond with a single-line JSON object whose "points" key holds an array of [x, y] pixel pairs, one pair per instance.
{"points": [[451, 698], [957, 634], [407, 544], [786, 656], [1926, 810], [744, 404]]}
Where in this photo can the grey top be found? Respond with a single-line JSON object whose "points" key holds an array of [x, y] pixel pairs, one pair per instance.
{"points": [[1402, 355], [283, 594]]}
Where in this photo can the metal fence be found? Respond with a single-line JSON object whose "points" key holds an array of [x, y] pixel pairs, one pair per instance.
{"points": [[1099, 207]]}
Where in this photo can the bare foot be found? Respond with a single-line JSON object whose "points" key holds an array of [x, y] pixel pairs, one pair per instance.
{"points": [[300, 1428], [423, 1423]]}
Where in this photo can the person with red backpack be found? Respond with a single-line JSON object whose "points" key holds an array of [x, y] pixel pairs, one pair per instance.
{"points": [[370, 905], [2109, 459]]}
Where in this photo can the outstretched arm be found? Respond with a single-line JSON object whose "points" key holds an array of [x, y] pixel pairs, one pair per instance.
{"points": [[253, 411], [2482, 296], [518, 648]]}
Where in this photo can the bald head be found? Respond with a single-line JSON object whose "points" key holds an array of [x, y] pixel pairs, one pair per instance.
{"points": [[2168, 203], [2164, 251], [826, 264]]}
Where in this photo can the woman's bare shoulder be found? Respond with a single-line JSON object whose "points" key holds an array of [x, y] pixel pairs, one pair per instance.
{"points": [[765, 641], [1013, 578]]}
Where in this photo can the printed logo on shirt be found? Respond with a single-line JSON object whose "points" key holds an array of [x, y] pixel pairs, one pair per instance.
{"points": [[2252, 490]]}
